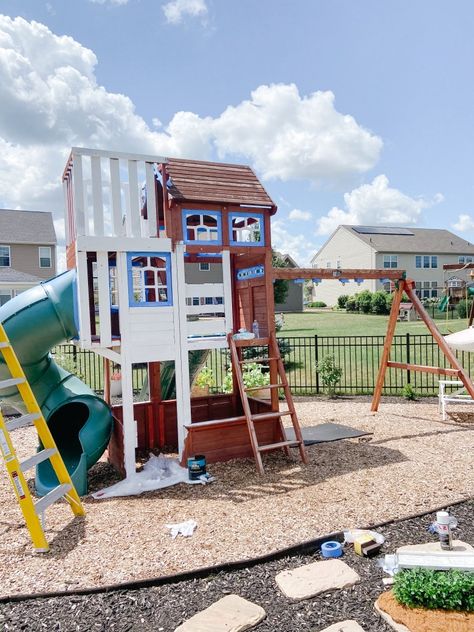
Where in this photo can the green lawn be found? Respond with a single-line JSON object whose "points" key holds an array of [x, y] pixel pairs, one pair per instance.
{"points": [[340, 323]]}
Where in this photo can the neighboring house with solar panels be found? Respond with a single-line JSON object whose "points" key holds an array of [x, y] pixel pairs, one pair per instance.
{"points": [[27, 251], [422, 252]]}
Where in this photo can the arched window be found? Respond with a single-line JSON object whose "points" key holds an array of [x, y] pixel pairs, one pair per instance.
{"points": [[149, 279]]}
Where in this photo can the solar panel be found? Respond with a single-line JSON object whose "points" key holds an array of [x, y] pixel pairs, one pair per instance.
{"points": [[382, 230]]}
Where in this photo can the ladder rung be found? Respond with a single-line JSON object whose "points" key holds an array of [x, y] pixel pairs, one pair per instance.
{"points": [[264, 386], [257, 360], [21, 422], [12, 382], [273, 446], [274, 415], [4, 345], [39, 457], [253, 342], [50, 498]]}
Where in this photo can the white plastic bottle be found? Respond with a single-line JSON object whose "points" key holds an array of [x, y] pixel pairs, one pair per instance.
{"points": [[443, 524], [256, 329]]}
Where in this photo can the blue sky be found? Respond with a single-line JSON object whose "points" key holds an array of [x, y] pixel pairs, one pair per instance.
{"points": [[351, 111]]}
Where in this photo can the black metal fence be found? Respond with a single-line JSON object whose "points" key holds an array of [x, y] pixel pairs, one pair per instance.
{"points": [[357, 356]]}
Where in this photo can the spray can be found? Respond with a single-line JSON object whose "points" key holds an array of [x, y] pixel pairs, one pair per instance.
{"points": [[443, 524]]}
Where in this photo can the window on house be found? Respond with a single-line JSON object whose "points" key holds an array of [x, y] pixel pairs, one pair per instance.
{"points": [[45, 256], [149, 276], [434, 289], [204, 267], [5, 295], [434, 261], [246, 228], [202, 226], [390, 261], [338, 264], [465, 259], [4, 256], [328, 264], [426, 261]]}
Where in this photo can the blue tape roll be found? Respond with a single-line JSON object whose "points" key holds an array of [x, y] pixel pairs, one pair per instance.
{"points": [[331, 549]]}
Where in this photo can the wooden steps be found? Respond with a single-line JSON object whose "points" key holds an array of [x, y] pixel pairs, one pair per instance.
{"points": [[277, 370]]}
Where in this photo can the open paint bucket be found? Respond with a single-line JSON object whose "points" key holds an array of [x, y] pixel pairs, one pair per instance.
{"points": [[196, 466]]}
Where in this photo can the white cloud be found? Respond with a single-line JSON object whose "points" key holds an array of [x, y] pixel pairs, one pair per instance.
{"points": [[177, 10], [376, 203], [297, 246], [296, 215], [465, 222]]}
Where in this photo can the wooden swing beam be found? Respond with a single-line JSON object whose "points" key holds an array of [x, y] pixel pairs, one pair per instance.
{"points": [[402, 285]]}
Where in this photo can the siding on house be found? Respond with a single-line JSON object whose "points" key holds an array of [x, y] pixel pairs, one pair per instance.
{"points": [[294, 299]]}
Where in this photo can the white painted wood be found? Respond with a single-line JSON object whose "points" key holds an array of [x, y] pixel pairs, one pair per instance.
{"points": [[104, 299], [83, 300], [97, 198], [143, 336], [66, 213], [129, 424], [150, 353], [183, 394], [133, 199], [206, 327], [204, 309], [151, 199], [131, 244], [84, 151], [118, 227], [227, 281], [78, 184], [152, 316], [110, 354], [217, 342], [204, 289]]}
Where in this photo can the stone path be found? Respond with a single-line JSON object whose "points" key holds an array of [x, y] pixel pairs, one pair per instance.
{"points": [[234, 614]]}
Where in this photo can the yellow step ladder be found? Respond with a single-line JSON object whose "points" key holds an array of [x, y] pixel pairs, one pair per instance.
{"points": [[32, 510]]}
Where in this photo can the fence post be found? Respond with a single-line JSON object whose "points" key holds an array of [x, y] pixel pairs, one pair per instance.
{"points": [[407, 343], [316, 357]]}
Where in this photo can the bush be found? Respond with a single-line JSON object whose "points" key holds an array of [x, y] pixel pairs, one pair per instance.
{"points": [[317, 304], [364, 301], [252, 375], [329, 373], [426, 588], [342, 300], [409, 393], [463, 308], [351, 304], [379, 302]]}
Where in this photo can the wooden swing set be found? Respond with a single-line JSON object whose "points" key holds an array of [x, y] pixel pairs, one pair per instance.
{"points": [[402, 285]]}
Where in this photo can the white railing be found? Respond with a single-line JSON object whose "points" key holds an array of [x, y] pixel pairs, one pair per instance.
{"points": [[103, 194]]}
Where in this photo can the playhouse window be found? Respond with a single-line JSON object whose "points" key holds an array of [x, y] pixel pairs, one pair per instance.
{"points": [[246, 228], [202, 226], [149, 276]]}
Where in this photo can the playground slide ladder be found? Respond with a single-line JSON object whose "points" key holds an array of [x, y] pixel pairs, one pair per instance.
{"points": [[32, 510], [252, 419]]}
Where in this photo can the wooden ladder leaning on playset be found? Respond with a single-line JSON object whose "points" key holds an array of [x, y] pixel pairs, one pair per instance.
{"points": [[32, 511], [274, 358]]}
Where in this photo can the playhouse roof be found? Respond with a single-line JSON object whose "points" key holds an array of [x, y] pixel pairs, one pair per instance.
{"points": [[217, 182]]}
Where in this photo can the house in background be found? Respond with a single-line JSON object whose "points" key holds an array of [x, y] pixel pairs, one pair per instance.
{"points": [[294, 299], [27, 251], [422, 252]]}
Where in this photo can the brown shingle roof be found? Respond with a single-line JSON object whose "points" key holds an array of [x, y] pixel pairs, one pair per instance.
{"points": [[26, 227], [223, 183]]}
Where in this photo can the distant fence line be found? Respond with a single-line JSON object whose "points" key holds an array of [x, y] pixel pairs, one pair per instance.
{"points": [[357, 356]]}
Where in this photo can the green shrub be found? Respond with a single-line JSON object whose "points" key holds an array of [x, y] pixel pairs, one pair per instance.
{"points": [[205, 378], [379, 302], [463, 308], [329, 373], [364, 301], [252, 375], [426, 588], [318, 304], [409, 393], [351, 304], [342, 300]]}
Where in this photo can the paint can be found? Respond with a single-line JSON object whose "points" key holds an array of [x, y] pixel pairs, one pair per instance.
{"points": [[196, 467]]}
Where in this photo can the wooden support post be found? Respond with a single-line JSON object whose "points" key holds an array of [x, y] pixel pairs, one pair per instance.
{"points": [[434, 331], [154, 383], [107, 398], [392, 321]]}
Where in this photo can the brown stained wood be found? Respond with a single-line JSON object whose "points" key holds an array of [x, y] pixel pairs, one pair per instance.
{"points": [[107, 398], [448, 352], [336, 273], [392, 322], [422, 369]]}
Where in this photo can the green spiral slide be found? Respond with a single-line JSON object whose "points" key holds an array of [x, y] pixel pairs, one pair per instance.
{"points": [[80, 421]]}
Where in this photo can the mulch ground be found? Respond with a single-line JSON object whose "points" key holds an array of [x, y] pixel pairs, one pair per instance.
{"points": [[163, 608]]}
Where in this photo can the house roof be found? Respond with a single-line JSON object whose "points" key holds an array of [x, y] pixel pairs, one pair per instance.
{"points": [[199, 181], [288, 259], [10, 275], [416, 240], [26, 227]]}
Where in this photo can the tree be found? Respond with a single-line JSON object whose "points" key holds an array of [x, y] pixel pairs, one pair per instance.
{"points": [[281, 286]]}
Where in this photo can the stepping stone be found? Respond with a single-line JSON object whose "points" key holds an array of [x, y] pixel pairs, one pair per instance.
{"points": [[398, 627], [435, 547], [307, 581], [229, 614], [344, 626]]}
